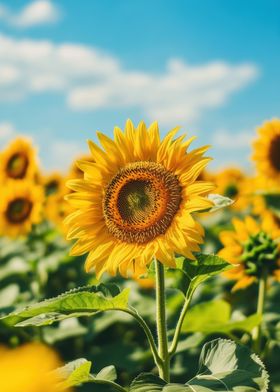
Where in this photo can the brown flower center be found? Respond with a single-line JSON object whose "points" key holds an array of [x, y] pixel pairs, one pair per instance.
{"points": [[51, 187], [17, 166], [274, 153], [18, 210], [141, 201]]}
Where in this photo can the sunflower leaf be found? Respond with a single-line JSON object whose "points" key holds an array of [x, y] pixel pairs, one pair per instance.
{"points": [[214, 316], [224, 366], [78, 372], [84, 301], [199, 270]]}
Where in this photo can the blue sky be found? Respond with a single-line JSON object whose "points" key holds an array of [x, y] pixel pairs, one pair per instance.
{"points": [[69, 68]]}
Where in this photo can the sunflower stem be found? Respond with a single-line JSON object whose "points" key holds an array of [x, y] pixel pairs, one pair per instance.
{"points": [[179, 325], [164, 366], [257, 331]]}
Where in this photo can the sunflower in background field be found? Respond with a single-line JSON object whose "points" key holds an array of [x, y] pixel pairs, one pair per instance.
{"points": [[18, 160], [56, 210], [136, 200], [29, 368], [20, 207], [267, 152], [254, 248], [232, 182], [54, 183]]}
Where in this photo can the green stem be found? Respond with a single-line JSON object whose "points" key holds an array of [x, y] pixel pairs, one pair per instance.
{"points": [[257, 332], [179, 325], [164, 367], [147, 331]]}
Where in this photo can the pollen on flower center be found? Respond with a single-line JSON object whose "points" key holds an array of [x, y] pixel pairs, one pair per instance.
{"points": [[140, 202], [274, 152], [17, 165], [18, 210]]}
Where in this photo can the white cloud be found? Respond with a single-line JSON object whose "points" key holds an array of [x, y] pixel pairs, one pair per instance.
{"points": [[7, 131], [38, 12], [59, 154], [91, 80], [232, 140]]}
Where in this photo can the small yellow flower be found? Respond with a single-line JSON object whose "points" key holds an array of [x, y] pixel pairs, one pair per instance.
{"points": [[136, 201], [267, 151], [18, 160], [20, 207], [254, 249], [29, 368], [231, 182]]}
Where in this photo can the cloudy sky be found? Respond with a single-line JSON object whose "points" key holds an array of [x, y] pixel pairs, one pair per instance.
{"points": [[69, 68]]}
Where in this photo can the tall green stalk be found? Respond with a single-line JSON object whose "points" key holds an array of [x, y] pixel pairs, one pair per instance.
{"points": [[257, 332], [164, 366]]}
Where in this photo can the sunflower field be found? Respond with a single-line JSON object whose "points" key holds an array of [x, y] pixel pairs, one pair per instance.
{"points": [[140, 270]]}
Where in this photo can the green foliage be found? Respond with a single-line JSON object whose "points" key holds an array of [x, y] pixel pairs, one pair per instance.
{"points": [[272, 201], [84, 301], [78, 372], [224, 366], [215, 316], [201, 269]]}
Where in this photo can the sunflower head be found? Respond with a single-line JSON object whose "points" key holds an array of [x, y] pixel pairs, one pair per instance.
{"points": [[136, 199], [266, 152], [20, 207], [18, 160], [54, 183], [29, 368], [231, 182], [254, 248]]}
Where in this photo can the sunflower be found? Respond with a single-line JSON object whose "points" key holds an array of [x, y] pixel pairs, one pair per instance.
{"points": [[20, 207], [18, 160], [267, 150], [54, 184], [254, 249], [56, 210], [136, 201], [29, 368], [232, 183], [75, 171]]}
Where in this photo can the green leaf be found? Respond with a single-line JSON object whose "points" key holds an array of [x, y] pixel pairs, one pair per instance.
{"points": [[227, 366], [219, 202], [224, 366], [78, 372], [147, 382], [202, 268], [214, 316], [84, 301], [74, 373], [206, 315]]}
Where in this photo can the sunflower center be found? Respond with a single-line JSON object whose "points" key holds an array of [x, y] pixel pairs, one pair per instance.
{"points": [[51, 187], [17, 166], [18, 210], [260, 252], [231, 190], [140, 202], [274, 153]]}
